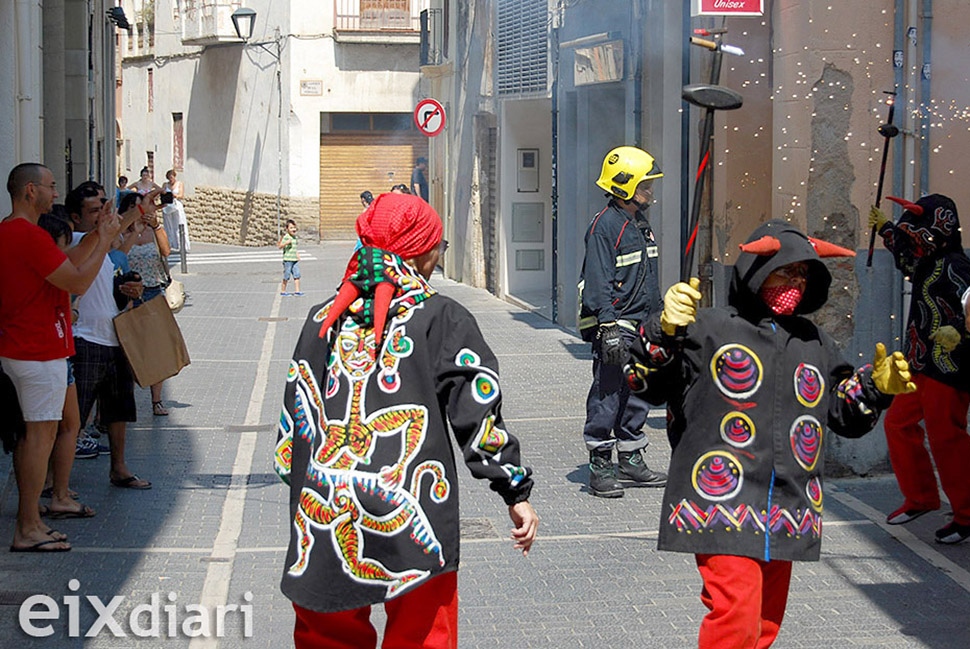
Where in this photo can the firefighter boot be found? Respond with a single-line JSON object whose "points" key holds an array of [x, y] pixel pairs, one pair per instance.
{"points": [[602, 474], [635, 472]]}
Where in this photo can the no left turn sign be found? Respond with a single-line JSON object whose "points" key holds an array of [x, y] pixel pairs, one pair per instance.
{"points": [[429, 117]]}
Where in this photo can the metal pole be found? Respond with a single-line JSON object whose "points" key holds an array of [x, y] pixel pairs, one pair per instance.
{"points": [[183, 257], [279, 131], [555, 164]]}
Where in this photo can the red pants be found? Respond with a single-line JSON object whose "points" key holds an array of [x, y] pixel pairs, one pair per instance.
{"points": [[746, 598], [944, 409], [423, 618]]}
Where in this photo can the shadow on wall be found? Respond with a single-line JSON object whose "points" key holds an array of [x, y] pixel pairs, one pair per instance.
{"points": [[356, 57], [211, 106]]}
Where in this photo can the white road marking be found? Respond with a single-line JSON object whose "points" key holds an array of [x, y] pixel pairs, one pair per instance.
{"points": [[215, 589], [907, 538]]}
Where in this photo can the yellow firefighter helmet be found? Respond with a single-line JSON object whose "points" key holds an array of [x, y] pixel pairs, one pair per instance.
{"points": [[626, 167]]}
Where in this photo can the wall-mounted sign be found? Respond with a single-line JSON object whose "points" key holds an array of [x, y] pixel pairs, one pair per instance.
{"points": [[311, 88], [727, 7], [601, 63], [429, 117]]}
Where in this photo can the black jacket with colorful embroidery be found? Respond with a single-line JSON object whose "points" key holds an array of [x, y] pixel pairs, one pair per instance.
{"points": [[364, 447], [928, 248], [749, 394], [620, 277]]}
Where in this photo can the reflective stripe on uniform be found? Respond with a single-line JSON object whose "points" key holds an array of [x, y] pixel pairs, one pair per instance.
{"points": [[652, 251], [626, 324], [630, 259]]}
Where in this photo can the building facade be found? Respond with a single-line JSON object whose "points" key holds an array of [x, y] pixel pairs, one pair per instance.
{"points": [[295, 123]]}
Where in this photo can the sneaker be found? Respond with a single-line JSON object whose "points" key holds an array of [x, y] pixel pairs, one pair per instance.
{"points": [[91, 430], [86, 449], [953, 533], [102, 449], [903, 515], [284, 294], [299, 293]]}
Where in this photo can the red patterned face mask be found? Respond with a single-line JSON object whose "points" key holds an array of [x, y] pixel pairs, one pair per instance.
{"points": [[782, 299]]}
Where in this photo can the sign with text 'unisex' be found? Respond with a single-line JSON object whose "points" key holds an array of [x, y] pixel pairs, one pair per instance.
{"points": [[727, 7]]}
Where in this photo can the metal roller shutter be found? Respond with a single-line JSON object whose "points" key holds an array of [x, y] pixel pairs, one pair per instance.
{"points": [[350, 164]]}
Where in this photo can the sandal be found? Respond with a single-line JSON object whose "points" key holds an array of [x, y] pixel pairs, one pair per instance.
{"points": [[129, 483], [49, 493], [158, 409], [83, 511]]}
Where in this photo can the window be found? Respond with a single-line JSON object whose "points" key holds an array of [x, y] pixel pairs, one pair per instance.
{"points": [[371, 122], [178, 143], [151, 90]]}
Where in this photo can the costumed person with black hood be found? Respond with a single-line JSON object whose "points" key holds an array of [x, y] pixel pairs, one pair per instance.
{"points": [[927, 247], [750, 388], [619, 286], [377, 375]]}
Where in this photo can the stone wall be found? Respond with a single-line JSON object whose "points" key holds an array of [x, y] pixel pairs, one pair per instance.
{"points": [[232, 216]]}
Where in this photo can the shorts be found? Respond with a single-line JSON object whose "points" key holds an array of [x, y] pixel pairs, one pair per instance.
{"points": [[291, 268], [40, 387], [70, 373], [103, 375]]}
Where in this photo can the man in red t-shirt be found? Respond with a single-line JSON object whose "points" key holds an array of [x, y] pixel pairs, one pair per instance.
{"points": [[35, 333]]}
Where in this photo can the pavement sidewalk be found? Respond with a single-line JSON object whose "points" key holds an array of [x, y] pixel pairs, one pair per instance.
{"points": [[214, 527]]}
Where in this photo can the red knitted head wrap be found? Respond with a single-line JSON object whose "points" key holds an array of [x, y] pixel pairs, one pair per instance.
{"points": [[400, 224]]}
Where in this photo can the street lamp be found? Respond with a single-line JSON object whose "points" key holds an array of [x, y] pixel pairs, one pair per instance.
{"points": [[243, 20]]}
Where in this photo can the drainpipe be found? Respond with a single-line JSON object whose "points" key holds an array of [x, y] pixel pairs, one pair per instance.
{"points": [[925, 97], [29, 96], [554, 44], [637, 73]]}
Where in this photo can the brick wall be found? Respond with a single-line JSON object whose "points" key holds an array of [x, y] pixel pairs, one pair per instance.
{"points": [[232, 216]]}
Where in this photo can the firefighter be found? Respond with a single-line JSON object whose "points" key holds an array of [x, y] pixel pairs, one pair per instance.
{"points": [[619, 287]]}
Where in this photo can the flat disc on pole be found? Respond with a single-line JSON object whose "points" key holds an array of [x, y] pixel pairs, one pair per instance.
{"points": [[706, 95]]}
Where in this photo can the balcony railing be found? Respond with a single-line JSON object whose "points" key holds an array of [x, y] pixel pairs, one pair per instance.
{"points": [[378, 15], [207, 22]]}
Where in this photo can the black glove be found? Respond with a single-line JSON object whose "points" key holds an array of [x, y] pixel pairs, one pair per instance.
{"points": [[613, 346]]}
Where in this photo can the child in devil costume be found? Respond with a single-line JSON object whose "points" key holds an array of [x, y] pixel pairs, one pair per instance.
{"points": [[378, 374], [750, 388], [927, 247]]}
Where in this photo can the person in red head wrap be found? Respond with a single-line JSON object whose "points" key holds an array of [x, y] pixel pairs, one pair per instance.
{"points": [[377, 375]]}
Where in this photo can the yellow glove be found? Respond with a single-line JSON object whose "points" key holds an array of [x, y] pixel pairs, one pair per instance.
{"points": [[891, 373], [680, 306], [946, 337], [877, 218]]}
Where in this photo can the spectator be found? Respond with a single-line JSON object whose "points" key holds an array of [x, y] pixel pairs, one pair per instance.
{"points": [[173, 213], [145, 184], [400, 189], [419, 178], [57, 485], [122, 189], [291, 258], [35, 333], [100, 366], [147, 258], [366, 198]]}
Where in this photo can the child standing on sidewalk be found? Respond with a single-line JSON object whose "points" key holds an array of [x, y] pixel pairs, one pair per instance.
{"points": [[750, 389], [291, 258]]}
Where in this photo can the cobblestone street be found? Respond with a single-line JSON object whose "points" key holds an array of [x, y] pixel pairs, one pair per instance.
{"points": [[214, 526]]}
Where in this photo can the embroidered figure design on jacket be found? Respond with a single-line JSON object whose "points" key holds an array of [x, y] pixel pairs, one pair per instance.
{"points": [[809, 385], [690, 517], [737, 429], [806, 441], [335, 477]]}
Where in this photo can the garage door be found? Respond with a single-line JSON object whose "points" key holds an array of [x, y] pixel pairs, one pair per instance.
{"points": [[350, 164]]}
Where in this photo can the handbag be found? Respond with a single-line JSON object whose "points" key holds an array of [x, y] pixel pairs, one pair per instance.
{"points": [[152, 342], [174, 290], [175, 294]]}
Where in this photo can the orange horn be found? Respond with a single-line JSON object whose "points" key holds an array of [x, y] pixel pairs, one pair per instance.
{"points": [[348, 293], [907, 205], [766, 245], [826, 249], [382, 303]]}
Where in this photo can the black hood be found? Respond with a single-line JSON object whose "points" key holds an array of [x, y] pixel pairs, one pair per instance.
{"points": [[751, 270], [929, 235]]}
